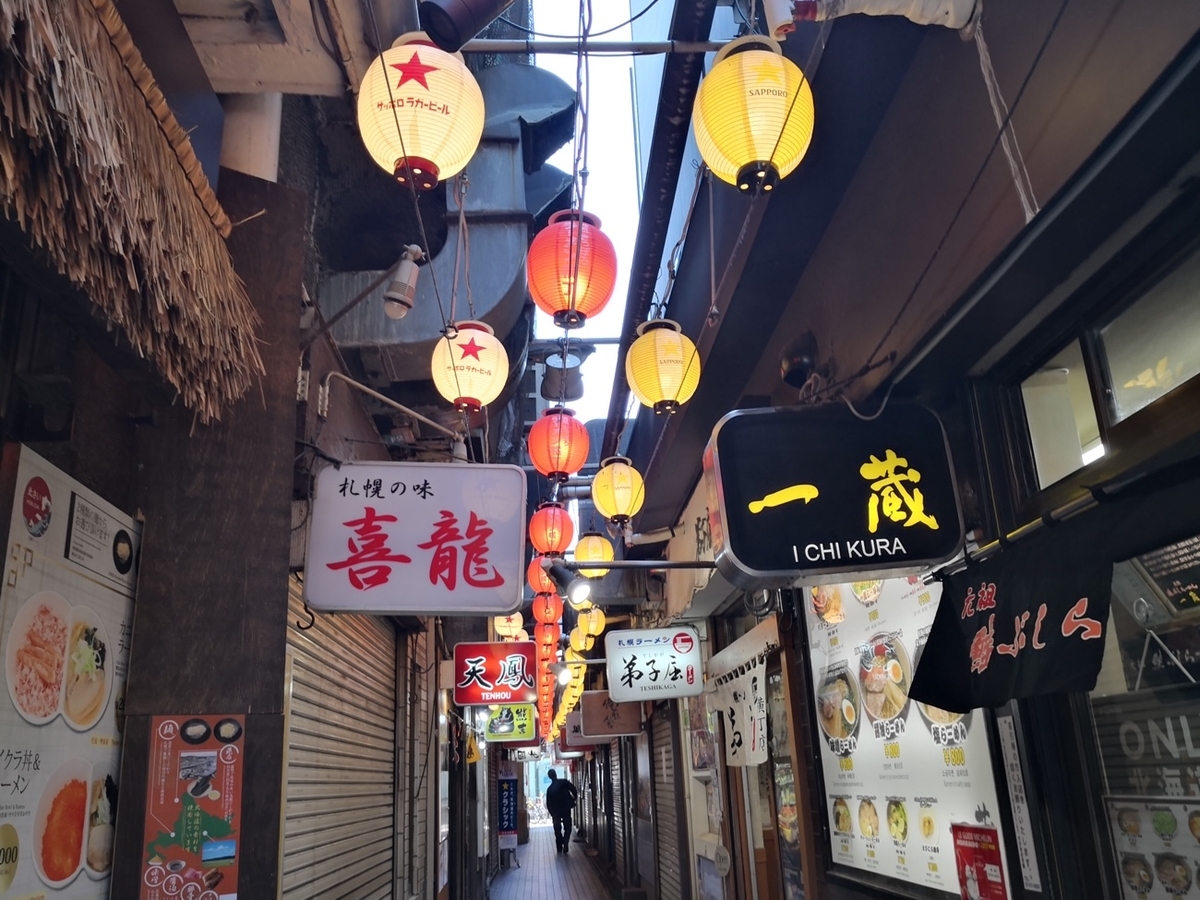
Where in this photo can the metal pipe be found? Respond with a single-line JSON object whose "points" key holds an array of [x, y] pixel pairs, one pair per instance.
{"points": [[485, 45], [640, 564], [453, 435]]}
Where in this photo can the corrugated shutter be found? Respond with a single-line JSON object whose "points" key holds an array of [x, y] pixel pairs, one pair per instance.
{"points": [[666, 818], [339, 814], [618, 813]]}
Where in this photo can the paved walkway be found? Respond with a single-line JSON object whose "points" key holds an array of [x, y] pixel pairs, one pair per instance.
{"points": [[547, 875]]}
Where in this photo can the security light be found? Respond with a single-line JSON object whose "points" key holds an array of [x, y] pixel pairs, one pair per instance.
{"points": [[575, 588]]}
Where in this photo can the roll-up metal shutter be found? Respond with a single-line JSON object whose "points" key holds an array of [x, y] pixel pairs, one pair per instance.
{"points": [[666, 795], [339, 812], [618, 811]]}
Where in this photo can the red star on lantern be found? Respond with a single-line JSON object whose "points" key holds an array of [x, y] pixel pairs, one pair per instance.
{"points": [[414, 70], [470, 349]]}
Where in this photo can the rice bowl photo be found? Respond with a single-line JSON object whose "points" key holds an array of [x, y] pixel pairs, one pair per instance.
{"points": [[35, 656]]}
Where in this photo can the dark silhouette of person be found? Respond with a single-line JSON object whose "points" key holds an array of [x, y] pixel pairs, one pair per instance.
{"points": [[560, 800]]}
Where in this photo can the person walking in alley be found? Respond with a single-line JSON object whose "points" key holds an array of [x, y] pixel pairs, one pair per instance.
{"points": [[560, 800]]}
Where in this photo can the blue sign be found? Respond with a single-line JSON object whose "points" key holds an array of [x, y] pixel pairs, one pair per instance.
{"points": [[506, 802]]}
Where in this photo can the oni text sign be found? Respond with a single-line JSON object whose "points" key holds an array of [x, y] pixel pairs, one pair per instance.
{"points": [[416, 538], [815, 493], [653, 664], [499, 672]]}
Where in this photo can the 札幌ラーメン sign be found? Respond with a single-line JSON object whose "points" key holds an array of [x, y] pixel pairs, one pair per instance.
{"points": [[653, 664], [814, 493], [500, 672], [439, 539]]}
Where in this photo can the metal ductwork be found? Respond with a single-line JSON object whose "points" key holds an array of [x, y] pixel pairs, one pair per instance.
{"points": [[527, 107], [451, 23], [950, 13]]}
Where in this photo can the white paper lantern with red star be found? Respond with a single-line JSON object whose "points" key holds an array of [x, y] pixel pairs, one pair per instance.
{"points": [[420, 111], [470, 366]]}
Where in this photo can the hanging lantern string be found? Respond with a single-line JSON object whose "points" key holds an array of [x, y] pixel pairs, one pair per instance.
{"points": [[463, 246], [412, 187]]}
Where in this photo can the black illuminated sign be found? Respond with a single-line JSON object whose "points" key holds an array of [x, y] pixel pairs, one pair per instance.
{"points": [[809, 493]]}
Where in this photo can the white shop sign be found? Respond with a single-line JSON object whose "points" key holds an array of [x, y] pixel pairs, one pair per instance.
{"points": [[653, 664], [416, 538]]}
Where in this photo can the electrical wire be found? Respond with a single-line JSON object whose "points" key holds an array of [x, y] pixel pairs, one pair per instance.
{"points": [[568, 37]]}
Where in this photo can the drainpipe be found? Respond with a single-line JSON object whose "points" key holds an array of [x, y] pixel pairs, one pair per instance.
{"points": [[681, 77]]}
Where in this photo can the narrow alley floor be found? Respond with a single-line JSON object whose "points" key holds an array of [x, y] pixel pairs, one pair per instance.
{"points": [[548, 875]]}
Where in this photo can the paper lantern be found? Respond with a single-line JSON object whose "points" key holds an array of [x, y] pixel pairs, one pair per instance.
{"points": [[470, 365], [753, 117], [617, 490], [581, 640], [508, 626], [547, 608], [662, 366], [558, 444], [539, 580], [593, 621], [521, 635], [547, 635], [571, 252], [420, 112], [551, 529], [593, 547]]}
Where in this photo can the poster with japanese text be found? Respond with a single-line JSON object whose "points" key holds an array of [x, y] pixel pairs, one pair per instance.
{"points": [[193, 819], [978, 863], [897, 773], [66, 612]]}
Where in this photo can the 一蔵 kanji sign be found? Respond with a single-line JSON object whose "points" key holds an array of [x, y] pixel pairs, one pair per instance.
{"points": [[500, 672], [653, 664], [416, 538], [815, 492]]}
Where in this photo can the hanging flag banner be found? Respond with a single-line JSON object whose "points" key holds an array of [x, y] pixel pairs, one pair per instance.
{"points": [[498, 672], [653, 664], [742, 698], [511, 722], [603, 717], [816, 492], [506, 802], [1028, 621], [416, 538], [980, 866]]}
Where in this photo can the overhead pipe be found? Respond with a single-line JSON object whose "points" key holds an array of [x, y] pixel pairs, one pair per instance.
{"points": [[677, 94], [527, 46]]}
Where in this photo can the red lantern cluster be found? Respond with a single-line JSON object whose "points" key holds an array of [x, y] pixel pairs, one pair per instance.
{"points": [[551, 529], [572, 268], [558, 444]]}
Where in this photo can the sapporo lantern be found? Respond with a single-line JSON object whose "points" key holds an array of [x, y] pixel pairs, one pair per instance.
{"points": [[593, 547], [539, 580], [470, 365], [420, 112], [551, 529], [593, 621], [662, 366], [558, 444], [753, 116], [547, 608], [508, 626], [617, 490], [572, 268]]}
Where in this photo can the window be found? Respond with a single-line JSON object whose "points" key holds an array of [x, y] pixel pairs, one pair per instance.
{"points": [[1061, 416]]}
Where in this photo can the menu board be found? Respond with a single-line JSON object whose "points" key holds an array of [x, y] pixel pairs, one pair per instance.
{"points": [[66, 608], [897, 773], [1157, 841], [1176, 571], [193, 808]]}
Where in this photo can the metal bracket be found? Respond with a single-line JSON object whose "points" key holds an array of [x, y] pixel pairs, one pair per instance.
{"points": [[302, 377], [323, 399]]}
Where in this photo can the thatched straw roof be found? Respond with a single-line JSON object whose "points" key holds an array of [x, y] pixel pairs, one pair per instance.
{"points": [[99, 175]]}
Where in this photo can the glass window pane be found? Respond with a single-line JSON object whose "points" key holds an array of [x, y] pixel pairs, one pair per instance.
{"points": [[1154, 346], [1061, 416]]}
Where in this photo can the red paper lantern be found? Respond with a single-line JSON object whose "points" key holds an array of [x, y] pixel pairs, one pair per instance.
{"points": [[547, 608], [571, 250], [551, 529], [537, 577], [547, 635], [558, 444]]}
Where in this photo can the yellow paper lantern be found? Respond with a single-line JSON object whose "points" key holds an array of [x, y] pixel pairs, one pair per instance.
{"points": [[662, 366], [470, 366], [593, 621], [581, 640], [753, 116], [420, 111], [617, 490], [593, 547]]}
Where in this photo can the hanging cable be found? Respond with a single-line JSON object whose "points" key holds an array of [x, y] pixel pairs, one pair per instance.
{"points": [[568, 37]]}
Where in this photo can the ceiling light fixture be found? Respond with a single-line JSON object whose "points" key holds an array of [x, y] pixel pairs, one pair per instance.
{"points": [[402, 291], [575, 587]]}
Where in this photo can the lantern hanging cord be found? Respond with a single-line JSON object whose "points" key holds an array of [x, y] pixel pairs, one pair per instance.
{"points": [[566, 37], [658, 309], [1000, 133], [822, 37], [462, 248]]}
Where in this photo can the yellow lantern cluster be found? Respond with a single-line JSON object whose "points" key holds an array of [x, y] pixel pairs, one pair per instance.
{"points": [[753, 117], [662, 366], [618, 490], [593, 547], [420, 111], [469, 366]]}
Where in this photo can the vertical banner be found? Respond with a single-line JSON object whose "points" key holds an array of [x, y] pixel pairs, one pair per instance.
{"points": [[193, 808], [506, 801], [977, 858], [743, 700], [66, 612]]}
